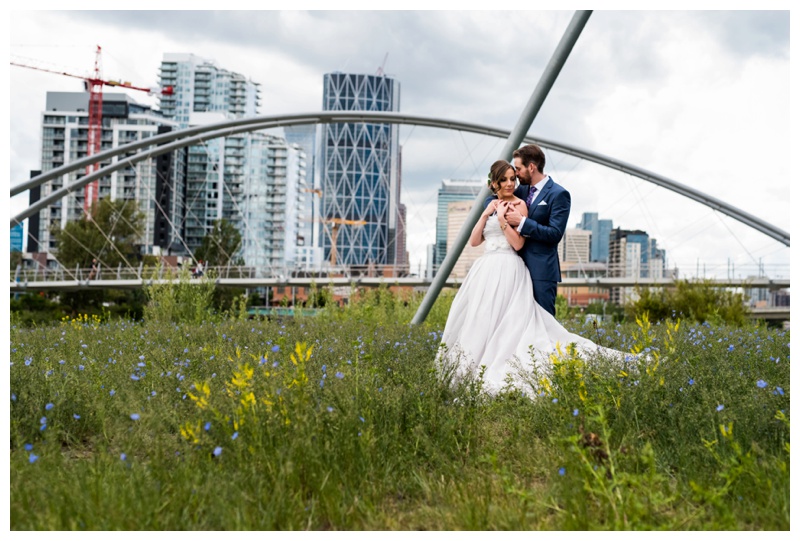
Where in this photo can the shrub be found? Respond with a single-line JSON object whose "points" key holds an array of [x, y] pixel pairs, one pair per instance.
{"points": [[693, 301]]}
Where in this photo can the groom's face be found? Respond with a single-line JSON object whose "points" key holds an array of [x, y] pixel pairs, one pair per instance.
{"points": [[523, 173]]}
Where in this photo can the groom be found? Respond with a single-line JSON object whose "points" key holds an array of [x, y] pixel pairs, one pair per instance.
{"points": [[544, 224]]}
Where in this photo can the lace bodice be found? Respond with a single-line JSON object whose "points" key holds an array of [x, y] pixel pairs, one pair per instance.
{"points": [[495, 238]]}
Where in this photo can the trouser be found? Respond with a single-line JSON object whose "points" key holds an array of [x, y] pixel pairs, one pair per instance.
{"points": [[544, 291]]}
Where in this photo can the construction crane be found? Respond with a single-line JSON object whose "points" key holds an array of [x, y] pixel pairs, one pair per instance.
{"points": [[94, 85], [335, 223]]}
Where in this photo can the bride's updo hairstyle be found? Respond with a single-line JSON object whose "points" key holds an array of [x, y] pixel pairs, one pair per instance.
{"points": [[497, 173]]}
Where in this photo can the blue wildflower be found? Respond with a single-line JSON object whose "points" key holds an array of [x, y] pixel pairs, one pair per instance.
{"points": [[339, 375], [562, 471], [123, 456], [276, 348], [720, 407], [28, 361], [134, 377], [33, 458], [330, 409], [13, 397], [779, 391], [80, 367], [141, 364], [217, 451], [555, 401], [691, 381], [575, 412], [761, 384], [135, 416], [49, 406], [730, 347], [207, 426], [28, 447], [112, 392], [76, 416], [235, 435]]}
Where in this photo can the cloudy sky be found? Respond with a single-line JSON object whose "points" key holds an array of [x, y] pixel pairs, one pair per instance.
{"points": [[701, 97]]}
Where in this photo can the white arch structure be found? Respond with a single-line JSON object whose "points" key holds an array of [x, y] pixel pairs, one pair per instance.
{"points": [[173, 140]]}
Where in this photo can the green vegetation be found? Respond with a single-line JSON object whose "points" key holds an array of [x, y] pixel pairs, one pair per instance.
{"points": [[695, 301], [340, 422]]}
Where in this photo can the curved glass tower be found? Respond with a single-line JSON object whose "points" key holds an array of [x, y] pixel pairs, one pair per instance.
{"points": [[358, 174]]}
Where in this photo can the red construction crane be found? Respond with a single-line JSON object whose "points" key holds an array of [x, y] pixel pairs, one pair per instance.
{"points": [[94, 85]]}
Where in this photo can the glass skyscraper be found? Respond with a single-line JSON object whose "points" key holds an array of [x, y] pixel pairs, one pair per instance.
{"points": [[359, 173], [601, 229]]}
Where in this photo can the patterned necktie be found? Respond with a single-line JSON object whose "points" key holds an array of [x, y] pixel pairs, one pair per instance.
{"points": [[529, 200]]}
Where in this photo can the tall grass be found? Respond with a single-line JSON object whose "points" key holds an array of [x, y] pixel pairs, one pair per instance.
{"points": [[342, 423]]}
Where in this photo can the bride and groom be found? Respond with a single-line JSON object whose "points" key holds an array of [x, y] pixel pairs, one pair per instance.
{"points": [[503, 316]]}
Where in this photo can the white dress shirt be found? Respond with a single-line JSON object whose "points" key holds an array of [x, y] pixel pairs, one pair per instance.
{"points": [[539, 185]]}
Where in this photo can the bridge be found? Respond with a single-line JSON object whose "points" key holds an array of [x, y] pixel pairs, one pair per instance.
{"points": [[60, 279]]}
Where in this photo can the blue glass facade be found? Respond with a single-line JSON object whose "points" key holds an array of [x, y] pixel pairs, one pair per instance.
{"points": [[601, 229], [16, 238], [358, 172]]}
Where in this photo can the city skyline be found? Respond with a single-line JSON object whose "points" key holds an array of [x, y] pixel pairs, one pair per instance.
{"points": [[662, 106]]}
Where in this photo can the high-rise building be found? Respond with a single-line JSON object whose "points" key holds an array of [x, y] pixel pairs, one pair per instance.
{"points": [[255, 180], [215, 175], [273, 203], [575, 246], [65, 139], [449, 192], [601, 229], [457, 212], [633, 254], [201, 86], [359, 172], [305, 136], [17, 234]]}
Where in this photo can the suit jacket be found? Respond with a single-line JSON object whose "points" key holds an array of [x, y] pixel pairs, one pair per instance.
{"points": [[543, 229]]}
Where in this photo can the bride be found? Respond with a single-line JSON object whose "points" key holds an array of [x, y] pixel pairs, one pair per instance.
{"points": [[494, 321]]}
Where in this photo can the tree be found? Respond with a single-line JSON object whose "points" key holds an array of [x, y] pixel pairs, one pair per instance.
{"points": [[219, 247], [111, 234], [15, 259]]}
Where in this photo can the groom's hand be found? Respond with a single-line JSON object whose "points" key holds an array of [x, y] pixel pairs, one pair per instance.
{"points": [[514, 216]]}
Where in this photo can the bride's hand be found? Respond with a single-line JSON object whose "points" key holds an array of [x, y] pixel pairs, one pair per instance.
{"points": [[490, 208]]}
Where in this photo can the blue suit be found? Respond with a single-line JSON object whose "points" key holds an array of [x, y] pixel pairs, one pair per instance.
{"points": [[543, 229]]}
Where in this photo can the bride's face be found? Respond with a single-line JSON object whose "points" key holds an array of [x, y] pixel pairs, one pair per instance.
{"points": [[507, 184]]}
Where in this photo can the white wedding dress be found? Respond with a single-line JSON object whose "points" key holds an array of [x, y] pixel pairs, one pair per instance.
{"points": [[494, 321]]}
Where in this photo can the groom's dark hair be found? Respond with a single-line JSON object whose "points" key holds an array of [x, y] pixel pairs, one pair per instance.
{"points": [[531, 154]]}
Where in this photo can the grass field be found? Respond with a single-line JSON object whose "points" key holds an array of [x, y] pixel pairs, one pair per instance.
{"points": [[333, 423]]}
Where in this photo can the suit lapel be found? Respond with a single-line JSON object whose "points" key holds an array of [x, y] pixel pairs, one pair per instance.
{"points": [[539, 196]]}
